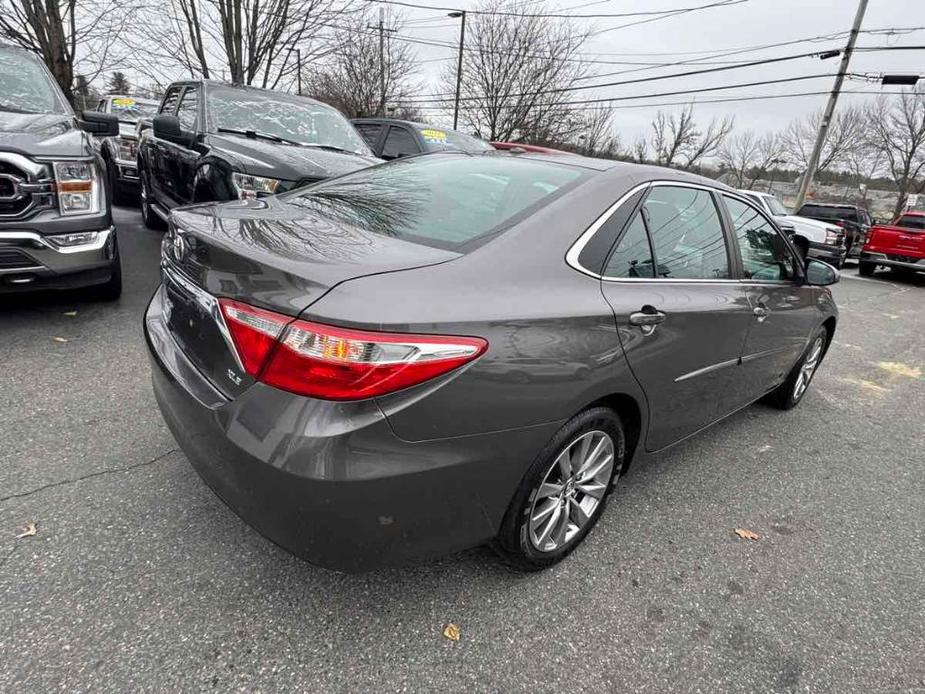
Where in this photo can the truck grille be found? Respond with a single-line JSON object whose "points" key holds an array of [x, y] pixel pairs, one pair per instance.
{"points": [[13, 202], [12, 259]]}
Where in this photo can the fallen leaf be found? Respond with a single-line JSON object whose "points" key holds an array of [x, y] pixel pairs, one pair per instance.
{"points": [[765, 448], [59, 339], [29, 529], [746, 534], [70, 313], [451, 631]]}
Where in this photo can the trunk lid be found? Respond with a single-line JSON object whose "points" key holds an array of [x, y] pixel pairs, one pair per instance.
{"points": [[269, 254]]}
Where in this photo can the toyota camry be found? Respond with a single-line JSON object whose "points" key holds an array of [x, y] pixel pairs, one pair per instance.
{"points": [[458, 349]]}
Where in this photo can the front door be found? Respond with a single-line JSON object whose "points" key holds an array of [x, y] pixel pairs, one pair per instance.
{"points": [[681, 315], [783, 307]]}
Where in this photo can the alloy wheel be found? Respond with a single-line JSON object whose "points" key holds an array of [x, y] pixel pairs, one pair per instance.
{"points": [[571, 491], [805, 374]]}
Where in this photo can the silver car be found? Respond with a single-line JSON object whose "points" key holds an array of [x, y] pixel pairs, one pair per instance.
{"points": [[455, 349]]}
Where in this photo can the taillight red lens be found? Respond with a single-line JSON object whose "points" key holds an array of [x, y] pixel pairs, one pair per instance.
{"points": [[332, 363], [254, 331]]}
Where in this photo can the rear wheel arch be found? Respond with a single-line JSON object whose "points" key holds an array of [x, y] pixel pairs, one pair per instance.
{"points": [[627, 408], [829, 325]]}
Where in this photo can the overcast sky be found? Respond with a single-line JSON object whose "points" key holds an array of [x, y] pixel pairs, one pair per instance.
{"points": [[687, 37]]}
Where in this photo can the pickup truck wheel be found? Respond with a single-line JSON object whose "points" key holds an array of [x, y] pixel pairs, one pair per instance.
{"points": [[150, 218], [866, 269]]}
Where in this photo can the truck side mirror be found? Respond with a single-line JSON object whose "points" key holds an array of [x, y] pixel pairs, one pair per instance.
{"points": [[99, 124], [168, 128]]}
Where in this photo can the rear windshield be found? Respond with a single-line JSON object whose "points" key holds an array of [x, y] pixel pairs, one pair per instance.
{"points": [[443, 201], [438, 139], [911, 221], [25, 85], [823, 212]]}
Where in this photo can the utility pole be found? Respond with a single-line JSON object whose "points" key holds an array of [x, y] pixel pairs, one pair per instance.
{"points": [[462, 41], [807, 180], [382, 31]]}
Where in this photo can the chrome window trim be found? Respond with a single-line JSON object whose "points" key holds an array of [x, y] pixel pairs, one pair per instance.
{"points": [[571, 257]]}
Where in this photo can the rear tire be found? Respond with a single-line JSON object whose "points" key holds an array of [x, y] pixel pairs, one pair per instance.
{"points": [[789, 393], [150, 218], [866, 269], [564, 492]]}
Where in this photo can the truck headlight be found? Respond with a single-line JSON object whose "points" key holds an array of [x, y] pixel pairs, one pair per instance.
{"points": [[128, 149], [247, 186], [832, 235], [78, 187]]}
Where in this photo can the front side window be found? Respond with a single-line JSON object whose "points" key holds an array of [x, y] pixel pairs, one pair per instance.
{"points": [[291, 118], [686, 232], [26, 86], [632, 256], [399, 143], [765, 254], [448, 202], [189, 109]]}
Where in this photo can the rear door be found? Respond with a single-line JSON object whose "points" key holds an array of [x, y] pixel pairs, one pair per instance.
{"points": [[680, 313], [782, 306]]}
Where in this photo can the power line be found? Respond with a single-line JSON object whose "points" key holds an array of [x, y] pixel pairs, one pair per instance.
{"points": [[563, 15]]}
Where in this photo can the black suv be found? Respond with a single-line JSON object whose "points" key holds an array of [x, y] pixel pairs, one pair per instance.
{"points": [[212, 141], [56, 227], [854, 220], [391, 138]]}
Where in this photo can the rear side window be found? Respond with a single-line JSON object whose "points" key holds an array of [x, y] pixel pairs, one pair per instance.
{"points": [[399, 143], [369, 131], [686, 232], [451, 202], [765, 255], [911, 221], [633, 255]]}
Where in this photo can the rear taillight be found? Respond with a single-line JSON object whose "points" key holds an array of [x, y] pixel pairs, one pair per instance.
{"points": [[331, 363]]}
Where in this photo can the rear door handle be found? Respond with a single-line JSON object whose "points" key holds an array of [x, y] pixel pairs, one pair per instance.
{"points": [[647, 317]]}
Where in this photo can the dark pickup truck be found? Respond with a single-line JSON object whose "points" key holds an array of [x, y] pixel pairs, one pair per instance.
{"points": [[56, 228], [212, 141], [899, 246], [854, 220]]}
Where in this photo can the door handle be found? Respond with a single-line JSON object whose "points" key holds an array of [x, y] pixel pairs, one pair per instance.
{"points": [[760, 312], [647, 319]]}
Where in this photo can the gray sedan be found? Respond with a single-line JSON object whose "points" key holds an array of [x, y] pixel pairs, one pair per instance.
{"points": [[456, 349]]}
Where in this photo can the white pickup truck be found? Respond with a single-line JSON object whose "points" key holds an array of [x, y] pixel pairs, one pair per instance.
{"points": [[813, 238]]}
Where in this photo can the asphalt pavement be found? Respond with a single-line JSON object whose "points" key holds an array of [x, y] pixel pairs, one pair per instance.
{"points": [[139, 579]]}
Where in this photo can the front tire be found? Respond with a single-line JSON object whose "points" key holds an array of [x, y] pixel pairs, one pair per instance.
{"points": [[150, 218], [112, 288], [564, 492], [789, 393]]}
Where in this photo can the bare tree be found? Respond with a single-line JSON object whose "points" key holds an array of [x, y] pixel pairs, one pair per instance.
{"points": [[72, 38], [845, 133], [678, 141], [348, 78], [252, 42], [896, 128], [513, 70], [595, 136], [640, 152], [747, 156]]}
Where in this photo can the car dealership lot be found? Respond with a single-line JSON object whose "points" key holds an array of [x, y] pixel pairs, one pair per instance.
{"points": [[140, 578]]}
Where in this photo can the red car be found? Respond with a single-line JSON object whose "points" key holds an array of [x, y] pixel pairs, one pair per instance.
{"points": [[900, 245], [527, 148]]}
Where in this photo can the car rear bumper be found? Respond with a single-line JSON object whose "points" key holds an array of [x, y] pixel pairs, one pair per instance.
{"points": [[826, 252], [330, 481], [28, 261], [889, 260]]}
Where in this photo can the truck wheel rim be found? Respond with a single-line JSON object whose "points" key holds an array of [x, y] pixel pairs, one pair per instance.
{"points": [[571, 491]]}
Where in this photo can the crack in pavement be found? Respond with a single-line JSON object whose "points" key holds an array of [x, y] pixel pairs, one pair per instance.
{"points": [[98, 473]]}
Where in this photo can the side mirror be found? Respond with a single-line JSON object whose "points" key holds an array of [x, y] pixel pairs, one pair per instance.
{"points": [[99, 124], [168, 128], [820, 274]]}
